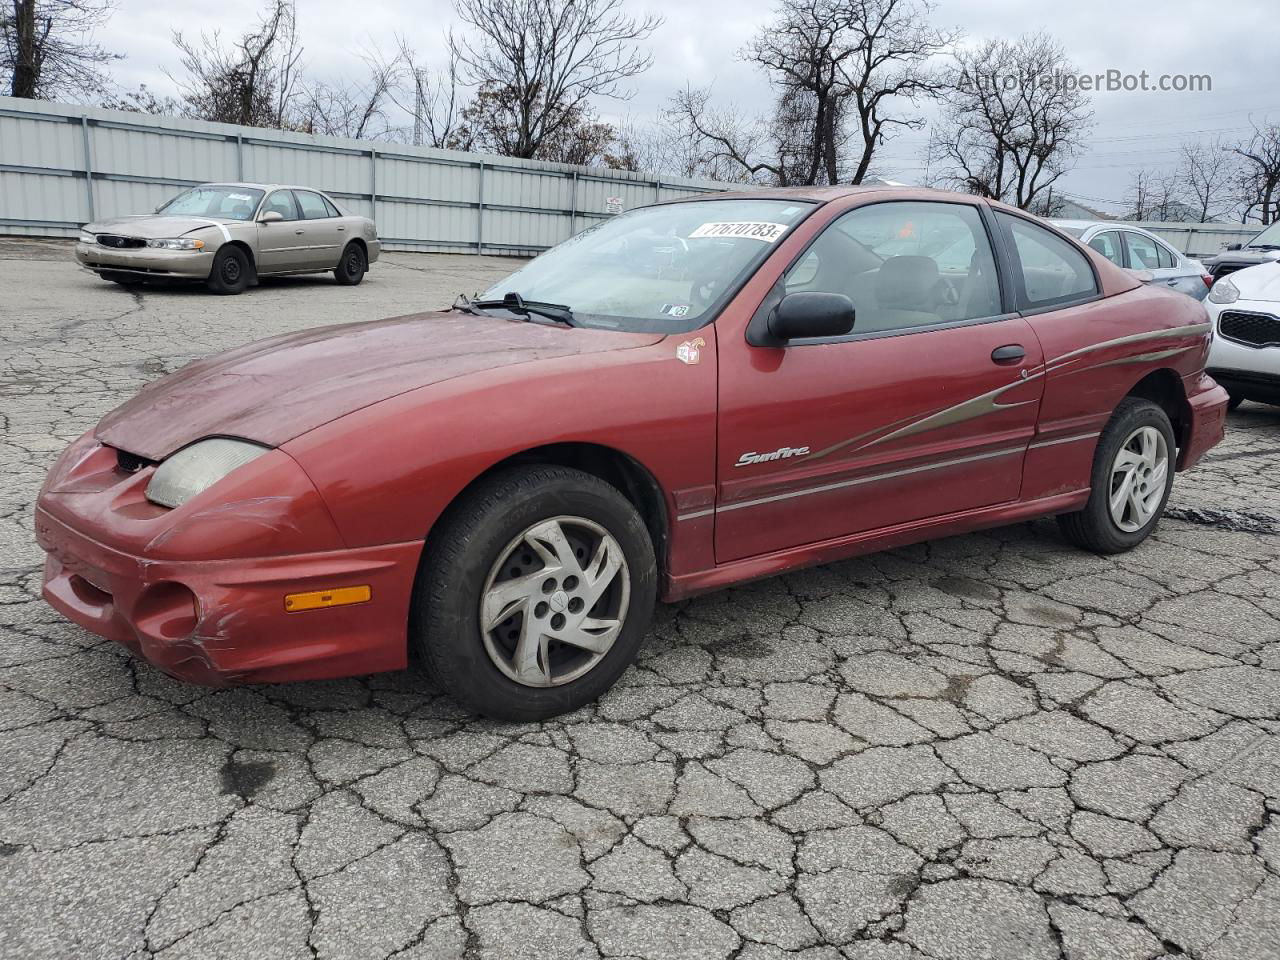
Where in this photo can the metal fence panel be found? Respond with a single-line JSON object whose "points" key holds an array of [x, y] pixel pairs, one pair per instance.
{"points": [[62, 165]]}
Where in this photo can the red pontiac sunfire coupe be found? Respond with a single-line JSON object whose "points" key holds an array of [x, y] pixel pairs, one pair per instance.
{"points": [[682, 397]]}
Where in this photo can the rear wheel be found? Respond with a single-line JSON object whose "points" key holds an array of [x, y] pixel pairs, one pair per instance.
{"points": [[1234, 401], [230, 273], [535, 593], [351, 268], [1132, 477]]}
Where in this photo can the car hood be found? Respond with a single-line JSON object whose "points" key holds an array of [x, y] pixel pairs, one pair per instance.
{"points": [[277, 389], [153, 227], [1258, 283], [1245, 256]]}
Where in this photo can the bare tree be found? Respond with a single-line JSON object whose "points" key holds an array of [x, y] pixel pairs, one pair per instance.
{"points": [[573, 135], [1259, 177], [842, 63], [47, 48], [143, 100], [723, 144], [1138, 198], [253, 81], [1208, 173], [541, 61], [349, 108], [1156, 195], [432, 97], [1011, 126]]}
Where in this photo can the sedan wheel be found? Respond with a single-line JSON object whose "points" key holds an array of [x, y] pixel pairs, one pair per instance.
{"points": [[555, 601], [351, 268], [535, 592], [1137, 479], [1131, 480]]}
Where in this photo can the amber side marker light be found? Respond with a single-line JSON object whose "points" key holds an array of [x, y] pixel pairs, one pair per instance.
{"points": [[319, 599]]}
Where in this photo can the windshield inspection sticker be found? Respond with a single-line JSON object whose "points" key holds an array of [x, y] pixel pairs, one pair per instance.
{"points": [[733, 229], [675, 309]]}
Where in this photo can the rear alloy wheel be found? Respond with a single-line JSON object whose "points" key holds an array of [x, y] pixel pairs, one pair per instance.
{"points": [[351, 268], [1132, 476], [230, 273], [535, 593]]}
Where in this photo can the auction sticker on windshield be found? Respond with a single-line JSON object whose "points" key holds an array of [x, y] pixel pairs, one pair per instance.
{"points": [[751, 229]]}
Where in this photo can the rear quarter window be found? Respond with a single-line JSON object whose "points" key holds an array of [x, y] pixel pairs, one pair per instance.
{"points": [[1049, 270]]}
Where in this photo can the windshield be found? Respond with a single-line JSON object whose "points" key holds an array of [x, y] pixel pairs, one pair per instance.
{"points": [[1268, 239], [224, 203], [664, 269]]}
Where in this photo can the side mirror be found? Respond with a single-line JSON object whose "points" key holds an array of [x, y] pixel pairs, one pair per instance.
{"points": [[801, 315], [1235, 246], [271, 216]]}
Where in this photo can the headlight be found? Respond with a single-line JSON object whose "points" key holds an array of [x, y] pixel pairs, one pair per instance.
{"points": [[87, 238], [1224, 291], [196, 468], [183, 243]]}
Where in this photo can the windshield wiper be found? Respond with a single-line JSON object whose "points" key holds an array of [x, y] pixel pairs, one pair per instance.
{"points": [[514, 303]]}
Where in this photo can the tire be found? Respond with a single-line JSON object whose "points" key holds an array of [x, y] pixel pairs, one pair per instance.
{"points": [[483, 543], [1096, 527], [231, 271], [353, 265], [1234, 401], [124, 279]]}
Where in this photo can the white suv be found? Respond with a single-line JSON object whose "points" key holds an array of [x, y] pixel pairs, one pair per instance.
{"points": [[1245, 311]]}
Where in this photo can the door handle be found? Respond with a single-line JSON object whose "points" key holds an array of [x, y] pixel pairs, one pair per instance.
{"points": [[340, 229], [298, 232], [1009, 353]]}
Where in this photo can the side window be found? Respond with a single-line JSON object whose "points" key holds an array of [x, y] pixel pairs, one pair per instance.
{"points": [[1144, 254], [311, 205], [282, 203], [1051, 270], [328, 205], [1108, 244], [1167, 257], [904, 264]]}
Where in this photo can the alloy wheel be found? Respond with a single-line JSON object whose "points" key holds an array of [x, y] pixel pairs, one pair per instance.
{"points": [[555, 601], [1138, 477]]}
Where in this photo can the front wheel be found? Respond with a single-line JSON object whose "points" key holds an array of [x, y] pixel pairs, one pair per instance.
{"points": [[535, 593], [1132, 477], [230, 273], [351, 268]]}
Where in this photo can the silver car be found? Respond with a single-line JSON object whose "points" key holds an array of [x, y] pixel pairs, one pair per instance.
{"points": [[230, 234], [1137, 249]]}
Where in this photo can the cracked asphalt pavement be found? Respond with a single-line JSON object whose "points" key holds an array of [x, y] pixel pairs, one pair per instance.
{"points": [[990, 746]]}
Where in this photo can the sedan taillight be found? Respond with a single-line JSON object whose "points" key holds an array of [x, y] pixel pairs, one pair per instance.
{"points": [[1208, 279]]}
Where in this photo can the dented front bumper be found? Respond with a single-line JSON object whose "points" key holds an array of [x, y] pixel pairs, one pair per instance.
{"points": [[200, 591]]}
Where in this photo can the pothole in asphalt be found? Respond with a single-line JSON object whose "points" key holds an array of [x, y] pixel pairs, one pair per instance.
{"points": [[1233, 521]]}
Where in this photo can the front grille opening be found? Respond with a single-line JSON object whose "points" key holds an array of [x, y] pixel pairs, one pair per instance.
{"points": [[1254, 329], [113, 240], [131, 462]]}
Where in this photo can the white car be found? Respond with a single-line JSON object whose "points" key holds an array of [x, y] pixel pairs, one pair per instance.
{"points": [[1245, 356], [1136, 249]]}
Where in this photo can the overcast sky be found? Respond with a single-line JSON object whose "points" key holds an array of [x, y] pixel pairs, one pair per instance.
{"points": [[1235, 42]]}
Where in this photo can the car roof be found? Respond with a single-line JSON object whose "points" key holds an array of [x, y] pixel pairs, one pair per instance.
{"points": [[260, 186], [827, 194]]}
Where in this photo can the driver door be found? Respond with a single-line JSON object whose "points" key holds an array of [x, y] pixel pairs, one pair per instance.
{"points": [[280, 241], [925, 409]]}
